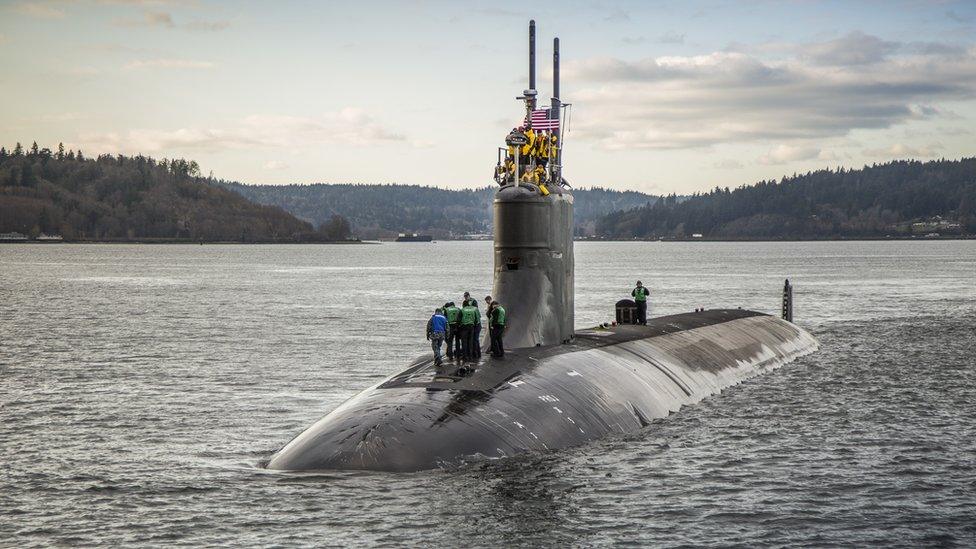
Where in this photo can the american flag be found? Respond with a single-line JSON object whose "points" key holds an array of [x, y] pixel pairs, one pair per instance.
{"points": [[541, 120]]}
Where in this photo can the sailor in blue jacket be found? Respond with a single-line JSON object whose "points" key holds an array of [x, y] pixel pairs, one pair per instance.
{"points": [[437, 329]]}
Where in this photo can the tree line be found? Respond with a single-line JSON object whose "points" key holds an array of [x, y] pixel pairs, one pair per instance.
{"points": [[379, 211], [890, 199], [136, 197]]}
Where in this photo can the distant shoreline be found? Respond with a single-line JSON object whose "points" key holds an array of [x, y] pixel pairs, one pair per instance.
{"points": [[373, 242], [178, 241], [799, 239]]}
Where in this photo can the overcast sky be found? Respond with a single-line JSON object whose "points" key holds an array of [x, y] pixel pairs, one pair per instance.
{"points": [[667, 97]]}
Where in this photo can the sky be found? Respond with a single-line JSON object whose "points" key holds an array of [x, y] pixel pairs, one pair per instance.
{"points": [[666, 96]]}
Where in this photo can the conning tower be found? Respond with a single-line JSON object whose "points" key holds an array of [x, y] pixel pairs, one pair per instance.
{"points": [[533, 221]]}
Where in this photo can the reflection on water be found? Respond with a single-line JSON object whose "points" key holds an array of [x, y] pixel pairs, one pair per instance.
{"points": [[141, 386]]}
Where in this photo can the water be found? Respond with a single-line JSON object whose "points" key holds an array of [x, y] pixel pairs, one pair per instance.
{"points": [[142, 385]]}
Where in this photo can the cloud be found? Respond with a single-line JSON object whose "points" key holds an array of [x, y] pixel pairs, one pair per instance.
{"points": [[959, 18], [40, 10], [727, 164], [671, 37], [163, 19], [617, 16], [168, 64], [783, 154], [855, 48], [348, 127], [61, 117], [730, 96], [206, 26], [146, 2], [275, 165], [899, 150]]}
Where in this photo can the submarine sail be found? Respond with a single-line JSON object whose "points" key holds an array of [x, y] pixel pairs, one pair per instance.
{"points": [[556, 387]]}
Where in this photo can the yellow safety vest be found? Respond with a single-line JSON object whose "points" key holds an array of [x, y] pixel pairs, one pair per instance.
{"points": [[527, 148]]}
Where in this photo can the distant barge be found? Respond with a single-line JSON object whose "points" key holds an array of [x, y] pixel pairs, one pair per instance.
{"points": [[414, 237]]}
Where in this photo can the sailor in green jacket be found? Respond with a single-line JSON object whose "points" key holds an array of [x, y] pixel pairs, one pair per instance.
{"points": [[469, 317], [496, 327], [453, 315], [640, 296]]}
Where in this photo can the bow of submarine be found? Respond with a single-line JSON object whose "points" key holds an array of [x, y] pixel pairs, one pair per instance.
{"points": [[606, 381]]}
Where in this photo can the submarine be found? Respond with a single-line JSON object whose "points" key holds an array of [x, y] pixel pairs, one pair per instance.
{"points": [[556, 387]]}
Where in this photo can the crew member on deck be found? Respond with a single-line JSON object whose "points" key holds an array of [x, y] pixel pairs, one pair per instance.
{"points": [[469, 315], [640, 296], [453, 315], [437, 329], [496, 327], [476, 337]]}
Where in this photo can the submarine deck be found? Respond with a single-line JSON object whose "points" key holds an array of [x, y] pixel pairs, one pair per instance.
{"points": [[488, 373]]}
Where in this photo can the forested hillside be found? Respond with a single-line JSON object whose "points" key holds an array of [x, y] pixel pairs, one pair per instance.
{"points": [[129, 198], [385, 210], [899, 198]]}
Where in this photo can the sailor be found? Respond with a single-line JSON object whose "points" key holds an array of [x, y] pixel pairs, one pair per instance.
{"points": [[437, 330], [476, 339], [640, 296], [542, 149], [527, 149], [469, 315], [496, 327], [453, 315]]}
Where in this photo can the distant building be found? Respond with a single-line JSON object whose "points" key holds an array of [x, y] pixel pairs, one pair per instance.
{"points": [[49, 238], [696, 235], [13, 237]]}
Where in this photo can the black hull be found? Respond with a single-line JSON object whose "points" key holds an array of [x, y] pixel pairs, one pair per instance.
{"points": [[544, 398]]}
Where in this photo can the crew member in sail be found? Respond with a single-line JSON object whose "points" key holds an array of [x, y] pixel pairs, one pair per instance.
{"points": [[640, 296], [437, 330]]}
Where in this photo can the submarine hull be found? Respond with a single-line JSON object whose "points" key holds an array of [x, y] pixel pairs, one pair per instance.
{"points": [[606, 381]]}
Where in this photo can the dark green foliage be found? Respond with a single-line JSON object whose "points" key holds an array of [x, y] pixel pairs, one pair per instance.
{"points": [[121, 198], [875, 201], [336, 228], [385, 210]]}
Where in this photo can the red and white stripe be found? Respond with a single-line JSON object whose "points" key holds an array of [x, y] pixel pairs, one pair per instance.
{"points": [[541, 120]]}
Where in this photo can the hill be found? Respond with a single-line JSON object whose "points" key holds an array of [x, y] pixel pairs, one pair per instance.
{"points": [[899, 198], [385, 210], [130, 198]]}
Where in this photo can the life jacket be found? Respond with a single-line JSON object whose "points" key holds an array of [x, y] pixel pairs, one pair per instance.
{"points": [[544, 146], [469, 315], [498, 312], [640, 293], [527, 148], [453, 314]]}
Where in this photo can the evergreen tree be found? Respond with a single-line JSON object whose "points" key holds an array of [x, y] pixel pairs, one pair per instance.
{"points": [[18, 149], [34, 149], [60, 155]]}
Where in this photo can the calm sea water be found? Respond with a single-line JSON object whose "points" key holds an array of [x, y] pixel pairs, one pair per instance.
{"points": [[141, 386]]}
